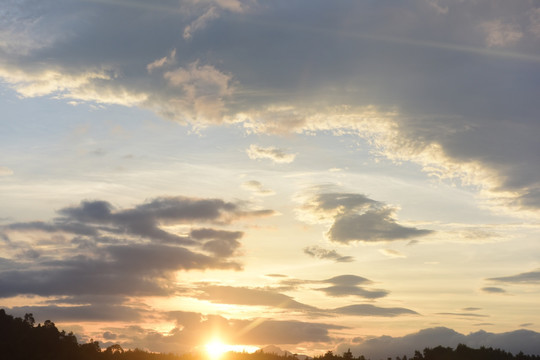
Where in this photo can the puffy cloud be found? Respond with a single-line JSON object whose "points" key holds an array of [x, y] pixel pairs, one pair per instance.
{"points": [[321, 253], [355, 217], [387, 346], [272, 153]]}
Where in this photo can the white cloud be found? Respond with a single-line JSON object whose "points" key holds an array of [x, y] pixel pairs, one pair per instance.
{"points": [[167, 60], [392, 253], [272, 153], [501, 34], [257, 188], [200, 22]]}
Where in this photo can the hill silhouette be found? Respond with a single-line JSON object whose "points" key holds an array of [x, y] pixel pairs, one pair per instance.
{"points": [[22, 339]]}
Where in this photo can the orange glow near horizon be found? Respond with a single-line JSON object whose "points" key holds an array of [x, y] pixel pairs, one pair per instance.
{"points": [[216, 348]]}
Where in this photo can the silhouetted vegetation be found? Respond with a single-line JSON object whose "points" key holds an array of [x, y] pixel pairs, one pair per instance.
{"points": [[22, 339]]}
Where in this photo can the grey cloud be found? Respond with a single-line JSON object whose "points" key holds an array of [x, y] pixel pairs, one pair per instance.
{"points": [[493, 290], [321, 253], [373, 225], [387, 346], [347, 280], [342, 285], [272, 298], [390, 60], [340, 290], [98, 313], [355, 217], [123, 252], [462, 314], [252, 296], [531, 277], [372, 310], [135, 269], [343, 202], [222, 243]]}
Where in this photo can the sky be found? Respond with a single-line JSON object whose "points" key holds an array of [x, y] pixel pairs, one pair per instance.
{"points": [[311, 174]]}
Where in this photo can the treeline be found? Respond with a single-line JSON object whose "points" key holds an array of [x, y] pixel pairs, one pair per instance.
{"points": [[461, 352], [22, 339]]}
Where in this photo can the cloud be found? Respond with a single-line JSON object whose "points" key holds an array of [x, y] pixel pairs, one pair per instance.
{"points": [[257, 188], [501, 34], [252, 297], [98, 313], [531, 277], [134, 269], [321, 253], [194, 329], [392, 253], [493, 290], [97, 249], [372, 310], [221, 243], [341, 290], [355, 217], [376, 225], [387, 346], [272, 153], [164, 61], [222, 75], [5, 171], [341, 286], [200, 22], [466, 315]]}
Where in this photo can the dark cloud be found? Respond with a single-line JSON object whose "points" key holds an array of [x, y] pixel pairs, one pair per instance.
{"points": [[340, 291], [373, 225], [251, 296], [222, 243], [124, 251], [531, 277], [372, 310], [321, 253], [98, 313], [466, 315], [387, 346], [493, 290], [356, 217], [389, 59], [135, 269], [347, 280], [91, 218], [347, 285]]}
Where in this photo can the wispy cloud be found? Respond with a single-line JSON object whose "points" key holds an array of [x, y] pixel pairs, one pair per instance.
{"points": [[272, 153]]}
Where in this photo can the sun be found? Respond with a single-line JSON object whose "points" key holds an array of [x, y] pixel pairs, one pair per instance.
{"points": [[216, 348]]}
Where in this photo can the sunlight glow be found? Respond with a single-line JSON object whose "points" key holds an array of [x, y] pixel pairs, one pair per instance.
{"points": [[215, 348]]}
